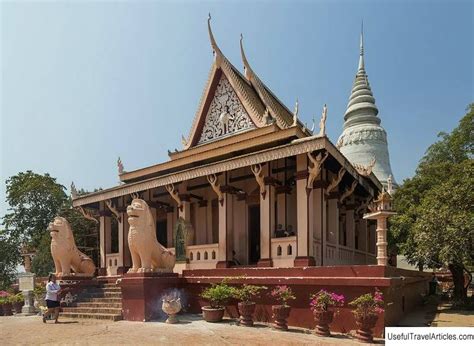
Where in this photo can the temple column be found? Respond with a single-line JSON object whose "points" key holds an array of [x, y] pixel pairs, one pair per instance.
{"points": [[350, 231], [185, 213], [281, 209], [363, 235], [320, 222], [170, 226], [224, 238], [304, 210], [333, 229], [267, 220], [120, 269], [102, 244], [350, 227], [209, 238]]}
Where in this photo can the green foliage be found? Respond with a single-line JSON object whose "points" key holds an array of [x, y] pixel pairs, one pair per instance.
{"points": [[218, 294], [35, 200], [435, 222], [247, 292], [39, 291], [42, 263], [9, 259]]}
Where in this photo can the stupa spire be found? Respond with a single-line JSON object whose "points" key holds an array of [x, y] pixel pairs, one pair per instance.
{"points": [[361, 53], [363, 137]]}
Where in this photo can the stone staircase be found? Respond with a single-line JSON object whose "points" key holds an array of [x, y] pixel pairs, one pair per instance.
{"points": [[102, 302]]}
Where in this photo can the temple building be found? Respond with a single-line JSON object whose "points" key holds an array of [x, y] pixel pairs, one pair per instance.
{"points": [[364, 140], [258, 188]]}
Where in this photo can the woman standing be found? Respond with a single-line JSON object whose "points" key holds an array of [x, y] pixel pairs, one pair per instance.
{"points": [[52, 298]]}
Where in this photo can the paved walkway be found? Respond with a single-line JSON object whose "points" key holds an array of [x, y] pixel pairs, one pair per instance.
{"points": [[192, 330], [438, 316]]}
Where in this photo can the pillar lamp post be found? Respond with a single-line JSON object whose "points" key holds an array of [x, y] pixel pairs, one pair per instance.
{"points": [[381, 210], [27, 281]]}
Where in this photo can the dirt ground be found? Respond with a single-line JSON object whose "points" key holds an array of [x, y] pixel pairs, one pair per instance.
{"points": [[18, 330]]}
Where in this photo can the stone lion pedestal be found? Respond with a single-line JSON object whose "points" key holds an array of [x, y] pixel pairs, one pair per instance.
{"points": [[142, 294]]}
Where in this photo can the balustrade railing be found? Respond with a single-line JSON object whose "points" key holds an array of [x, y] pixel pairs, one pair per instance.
{"points": [[112, 260], [283, 251]]}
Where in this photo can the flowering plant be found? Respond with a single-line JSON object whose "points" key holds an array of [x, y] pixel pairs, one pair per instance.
{"points": [[283, 294], [368, 304], [323, 300]]}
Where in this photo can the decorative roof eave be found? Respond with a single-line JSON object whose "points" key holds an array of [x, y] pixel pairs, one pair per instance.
{"points": [[278, 110], [245, 93], [297, 147]]}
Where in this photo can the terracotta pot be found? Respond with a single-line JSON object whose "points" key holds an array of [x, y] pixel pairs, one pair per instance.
{"points": [[7, 309], [17, 307], [280, 315], [246, 310], [323, 320], [366, 324], [212, 314]]}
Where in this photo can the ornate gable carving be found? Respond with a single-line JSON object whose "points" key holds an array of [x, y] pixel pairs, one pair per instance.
{"points": [[226, 114]]}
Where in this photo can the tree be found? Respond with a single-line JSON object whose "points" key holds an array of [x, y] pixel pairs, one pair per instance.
{"points": [[35, 200], [434, 225], [9, 259]]}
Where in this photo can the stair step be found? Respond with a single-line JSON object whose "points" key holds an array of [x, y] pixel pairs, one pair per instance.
{"points": [[98, 316], [102, 294], [94, 310], [99, 305], [101, 300]]}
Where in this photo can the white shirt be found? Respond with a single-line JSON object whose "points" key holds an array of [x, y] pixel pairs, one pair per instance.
{"points": [[52, 291]]}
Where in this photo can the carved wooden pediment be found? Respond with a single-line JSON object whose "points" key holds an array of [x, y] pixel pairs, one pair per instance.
{"points": [[226, 114]]}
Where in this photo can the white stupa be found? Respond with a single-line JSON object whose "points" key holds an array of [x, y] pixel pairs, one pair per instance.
{"points": [[363, 139]]}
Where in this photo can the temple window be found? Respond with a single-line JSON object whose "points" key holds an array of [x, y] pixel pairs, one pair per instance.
{"points": [[190, 256], [205, 255], [213, 255], [279, 250], [289, 250], [198, 257]]}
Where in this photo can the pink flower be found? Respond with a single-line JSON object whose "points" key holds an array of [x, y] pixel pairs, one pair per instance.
{"points": [[4, 294]]}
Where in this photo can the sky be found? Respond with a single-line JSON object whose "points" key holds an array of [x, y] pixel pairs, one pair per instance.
{"points": [[83, 83]]}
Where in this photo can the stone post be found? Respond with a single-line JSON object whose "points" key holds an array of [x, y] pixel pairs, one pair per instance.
{"points": [[26, 286], [381, 210]]}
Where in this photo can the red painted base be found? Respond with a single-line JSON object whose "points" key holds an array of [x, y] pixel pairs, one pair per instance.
{"points": [[142, 294], [223, 264], [265, 262], [306, 261]]}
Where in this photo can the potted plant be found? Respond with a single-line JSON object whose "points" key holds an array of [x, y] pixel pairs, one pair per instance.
{"points": [[281, 312], [217, 295], [323, 304], [367, 309], [18, 302], [5, 302], [245, 305]]}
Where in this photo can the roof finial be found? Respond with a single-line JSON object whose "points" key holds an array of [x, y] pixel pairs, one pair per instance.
{"points": [[295, 114], [215, 48], [244, 58], [361, 53]]}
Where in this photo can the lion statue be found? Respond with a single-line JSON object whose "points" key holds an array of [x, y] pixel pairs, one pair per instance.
{"points": [[147, 254], [65, 253]]}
